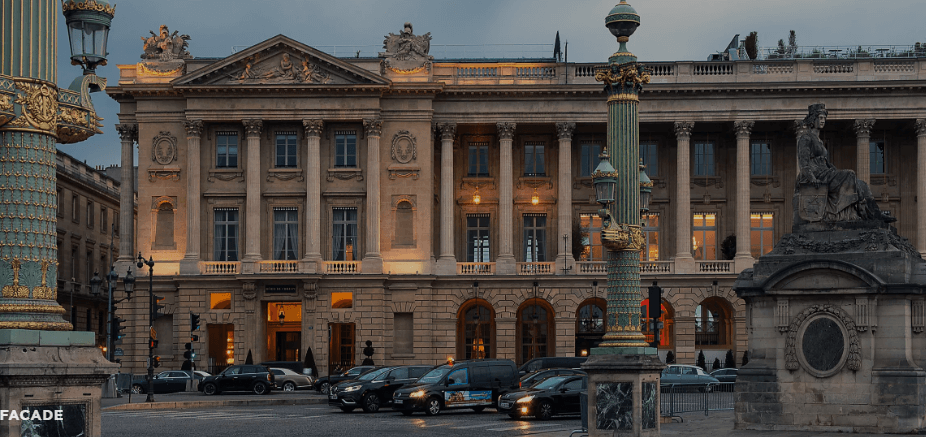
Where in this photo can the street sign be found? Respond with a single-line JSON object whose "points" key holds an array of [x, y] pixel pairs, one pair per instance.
{"points": [[118, 352]]}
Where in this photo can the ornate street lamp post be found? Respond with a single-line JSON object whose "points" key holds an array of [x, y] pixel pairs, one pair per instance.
{"points": [[624, 369], [152, 314]]}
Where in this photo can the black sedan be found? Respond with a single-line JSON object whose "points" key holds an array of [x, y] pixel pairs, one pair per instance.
{"points": [[539, 375], [325, 382], [170, 381], [725, 375], [373, 389], [553, 396]]}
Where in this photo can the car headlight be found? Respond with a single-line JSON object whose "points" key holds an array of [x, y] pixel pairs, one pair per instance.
{"points": [[526, 399], [352, 388], [417, 394]]}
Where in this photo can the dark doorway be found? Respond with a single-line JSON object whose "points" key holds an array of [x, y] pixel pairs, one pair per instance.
{"points": [[288, 345], [341, 347]]}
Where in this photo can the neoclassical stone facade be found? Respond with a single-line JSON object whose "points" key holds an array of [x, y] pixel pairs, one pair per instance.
{"points": [[445, 209]]}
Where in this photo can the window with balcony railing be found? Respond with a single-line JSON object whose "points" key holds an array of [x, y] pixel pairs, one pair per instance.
{"points": [[590, 238], [761, 233], [225, 247], [477, 238], [534, 159], [285, 234]]}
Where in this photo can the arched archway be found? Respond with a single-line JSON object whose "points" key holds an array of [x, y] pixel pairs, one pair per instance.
{"points": [[475, 330], [714, 324], [590, 324], [667, 333], [536, 333]]}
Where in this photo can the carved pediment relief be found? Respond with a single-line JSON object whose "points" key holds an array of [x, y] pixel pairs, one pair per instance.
{"points": [[281, 61], [821, 280]]}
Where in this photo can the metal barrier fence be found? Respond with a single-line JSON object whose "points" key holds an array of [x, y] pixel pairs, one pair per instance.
{"points": [[686, 398]]}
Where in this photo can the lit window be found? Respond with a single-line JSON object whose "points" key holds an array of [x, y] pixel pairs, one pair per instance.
{"points": [[345, 149], [286, 150], [761, 232], [704, 236], [590, 238], [761, 159], [342, 299], [220, 301], [650, 250]]}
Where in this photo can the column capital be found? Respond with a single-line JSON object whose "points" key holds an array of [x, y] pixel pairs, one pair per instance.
{"points": [[128, 131], [447, 130], [313, 128], [252, 127], [194, 128], [920, 126], [564, 130], [683, 128], [862, 127], [506, 130], [373, 127], [743, 127]]}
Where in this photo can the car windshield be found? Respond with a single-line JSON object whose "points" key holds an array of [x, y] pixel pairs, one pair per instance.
{"points": [[549, 382], [371, 375], [434, 375]]}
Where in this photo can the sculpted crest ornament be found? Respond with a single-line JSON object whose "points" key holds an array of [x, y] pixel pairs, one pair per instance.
{"points": [[165, 46], [407, 53], [403, 147]]}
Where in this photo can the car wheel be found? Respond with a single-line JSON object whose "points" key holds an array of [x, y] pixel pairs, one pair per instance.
{"points": [[324, 388], [479, 409], [433, 407], [137, 389], [289, 386], [370, 402], [347, 409], [210, 389], [544, 410], [407, 412], [260, 388]]}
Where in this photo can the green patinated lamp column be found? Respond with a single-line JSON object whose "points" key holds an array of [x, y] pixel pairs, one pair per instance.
{"points": [[624, 370]]}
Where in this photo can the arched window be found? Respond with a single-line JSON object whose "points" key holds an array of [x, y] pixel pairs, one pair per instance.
{"points": [[405, 229], [536, 330], [164, 227], [666, 334], [475, 330], [590, 325], [713, 324]]}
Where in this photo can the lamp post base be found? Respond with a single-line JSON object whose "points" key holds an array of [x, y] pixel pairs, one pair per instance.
{"points": [[623, 392]]}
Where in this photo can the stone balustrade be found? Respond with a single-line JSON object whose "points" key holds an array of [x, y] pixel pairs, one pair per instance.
{"points": [[220, 267]]}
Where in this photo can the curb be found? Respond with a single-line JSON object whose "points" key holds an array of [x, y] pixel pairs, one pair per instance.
{"points": [[208, 404]]}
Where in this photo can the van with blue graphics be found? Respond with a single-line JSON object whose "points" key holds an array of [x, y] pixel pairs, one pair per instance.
{"points": [[475, 384]]}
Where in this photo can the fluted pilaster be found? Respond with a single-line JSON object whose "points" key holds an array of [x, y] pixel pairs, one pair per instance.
{"points": [[446, 264], [372, 260], [313, 253], [863, 139], [505, 263], [921, 185], [190, 263], [252, 235], [564, 211], [743, 258], [684, 262]]}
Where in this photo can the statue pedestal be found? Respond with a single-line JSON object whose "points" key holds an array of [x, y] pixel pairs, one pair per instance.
{"points": [[51, 371], [623, 391]]}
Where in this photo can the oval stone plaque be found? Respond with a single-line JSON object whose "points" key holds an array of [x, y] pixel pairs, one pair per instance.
{"points": [[823, 344]]}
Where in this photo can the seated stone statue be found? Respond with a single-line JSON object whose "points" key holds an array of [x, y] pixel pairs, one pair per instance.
{"points": [[824, 193]]}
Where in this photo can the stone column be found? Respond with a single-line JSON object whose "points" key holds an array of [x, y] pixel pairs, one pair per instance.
{"points": [[505, 262], [921, 185], [189, 265], [313, 177], [372, 260], [863, 138], [447, 263], [684, 262], [128, 133], [564, 203], [743, 259], [252, 206]]}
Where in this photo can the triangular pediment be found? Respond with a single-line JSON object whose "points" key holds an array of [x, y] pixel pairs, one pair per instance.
{"points": [[280, 61]]}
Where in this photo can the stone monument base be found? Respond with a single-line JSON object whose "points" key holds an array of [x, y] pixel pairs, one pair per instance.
{"points": [[623, 392], [56, 377]]}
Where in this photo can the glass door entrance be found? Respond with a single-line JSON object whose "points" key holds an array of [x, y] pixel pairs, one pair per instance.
{"points": [[341, 347]]}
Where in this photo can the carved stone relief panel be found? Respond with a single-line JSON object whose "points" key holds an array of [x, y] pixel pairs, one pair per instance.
{"points": [[164, 148], [404, 147]]}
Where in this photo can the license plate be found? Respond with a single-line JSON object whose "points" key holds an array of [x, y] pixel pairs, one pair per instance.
{"points": [[332, 396], [505, 405], [398, 401]]}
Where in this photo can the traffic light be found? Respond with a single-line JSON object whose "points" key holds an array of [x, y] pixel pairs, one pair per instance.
{"points": [[190, 354], [157, 362], [655, 302], [117, 328], [194, 322], [152, 343], [157, 307]]}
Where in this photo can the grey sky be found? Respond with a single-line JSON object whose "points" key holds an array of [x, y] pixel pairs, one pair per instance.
{"points": [[671, 30]]}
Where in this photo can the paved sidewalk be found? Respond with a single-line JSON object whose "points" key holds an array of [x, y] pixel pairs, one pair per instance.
{"points": [[199, 400]]}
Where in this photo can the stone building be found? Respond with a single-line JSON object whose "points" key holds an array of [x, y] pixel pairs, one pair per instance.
{"points": [[443, 208], [88, 207]]}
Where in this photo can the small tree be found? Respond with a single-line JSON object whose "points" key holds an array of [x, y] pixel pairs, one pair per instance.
{"points": [[670, 358], [729, 362], [745, 358], [249, 359], [716, 364], [752, 45], [792, 43], [701, 361], [578, 249]]}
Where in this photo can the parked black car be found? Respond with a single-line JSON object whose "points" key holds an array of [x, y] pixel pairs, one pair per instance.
{"points": [[539, 375], [725, 375], [551, 363], [373, 389], [248, 377], [472, 384], [325, 382], [552, 396], [168, 381]]}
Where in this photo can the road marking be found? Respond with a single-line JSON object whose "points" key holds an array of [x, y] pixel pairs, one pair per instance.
{"points": [[483, 425], [525, 427]]}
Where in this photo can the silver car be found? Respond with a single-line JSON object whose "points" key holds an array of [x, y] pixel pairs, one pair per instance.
{"points": [[287, 380], [685, 374]]}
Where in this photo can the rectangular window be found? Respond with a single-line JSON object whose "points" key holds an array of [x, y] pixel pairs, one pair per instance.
{"points": [[220, 301], [533, 159], [342, 299], [344, 234], [75, 209], [90, 214], [876, 157], [286, 150], [704, 236], [478, 159], [590, 228], [116, 222], [226, 149], [285, 234], [649, 154], [60, 203], [101, 323], [589, 158], [761, 159], [89, 319], [404, 330], [761, 233], [104, 226], [477, 238], [535, 228], [704, 159], [226, 234], [650, 250], [345, 149], [90, 270]]}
